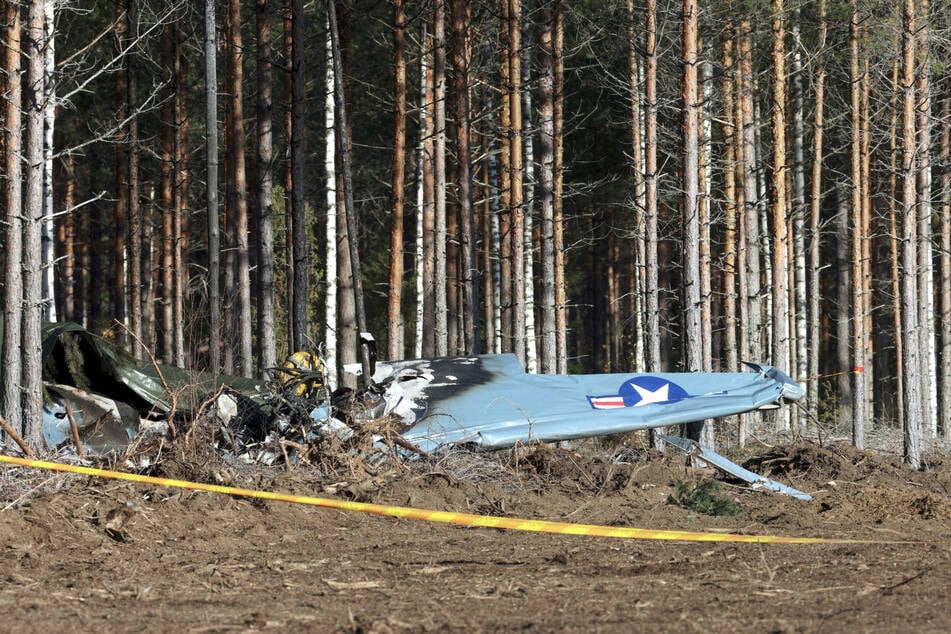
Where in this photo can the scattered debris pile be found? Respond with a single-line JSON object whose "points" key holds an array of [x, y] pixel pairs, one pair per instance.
{"points": [[102, 399]]}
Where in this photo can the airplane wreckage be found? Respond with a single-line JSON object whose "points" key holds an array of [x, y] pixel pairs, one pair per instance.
{"points": [[98, 392]]}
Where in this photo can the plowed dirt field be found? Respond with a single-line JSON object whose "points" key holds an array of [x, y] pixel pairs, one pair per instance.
{"points": [[93, 555]]}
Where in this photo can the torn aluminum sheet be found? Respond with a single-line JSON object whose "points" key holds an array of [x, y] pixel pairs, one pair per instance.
{"points": [[490, 402], [693, 448], [74, 356], [102, 423]]}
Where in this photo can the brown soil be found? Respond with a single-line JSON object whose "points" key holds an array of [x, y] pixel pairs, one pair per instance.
{"points": [[94, 555]]}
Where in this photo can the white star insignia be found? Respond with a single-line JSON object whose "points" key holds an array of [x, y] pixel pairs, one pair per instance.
{"points": [[648, 396]]}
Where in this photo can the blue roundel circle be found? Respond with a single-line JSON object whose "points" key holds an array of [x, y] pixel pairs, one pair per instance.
{"points": [[651, 389]]}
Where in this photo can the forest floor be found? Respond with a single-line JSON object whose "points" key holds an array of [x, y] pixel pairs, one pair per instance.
{"points": [[87, 554]]}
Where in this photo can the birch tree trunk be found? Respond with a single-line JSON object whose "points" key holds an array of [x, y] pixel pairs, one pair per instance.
{"points": [[546, 131], [528, 200], [926, 294], [439, 178], [49, 121], [558, 109], [944, 385], [330, 229], [801, 337]]}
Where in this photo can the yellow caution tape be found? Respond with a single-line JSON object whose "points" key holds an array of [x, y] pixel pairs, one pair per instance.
{"points": [[445, 517]]}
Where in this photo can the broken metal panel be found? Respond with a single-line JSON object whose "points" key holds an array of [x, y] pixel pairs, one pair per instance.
{"points": [[74, 356], [102, 423], [693, 448], [490, 401]]}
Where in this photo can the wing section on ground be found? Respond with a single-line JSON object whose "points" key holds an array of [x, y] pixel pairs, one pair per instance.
{"points": [[489, 401]]}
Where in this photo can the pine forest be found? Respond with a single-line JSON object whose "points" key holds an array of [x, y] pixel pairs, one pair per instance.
{"points": [[622, 186]]}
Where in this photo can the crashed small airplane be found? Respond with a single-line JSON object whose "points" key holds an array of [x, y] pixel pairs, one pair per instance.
{"points": [[482, 402]]}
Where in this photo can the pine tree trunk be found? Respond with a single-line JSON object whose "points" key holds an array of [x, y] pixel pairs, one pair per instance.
{"points": [[651, 305], [911, 360], [12, 361], [751, 246], [344, 145], [347, 340], [780, 289], [637, 172], [894, 236], [691, 199], [166, 198], [516, 175], [120, 227], [858, 281], [546, 131], [298, 157], [68, 280], [264, 209], [729, 205], [134, 237], [815, 212], [944, 385], [461, 19], [211, 186], [180, 221], [397, 194], [32, 379]]}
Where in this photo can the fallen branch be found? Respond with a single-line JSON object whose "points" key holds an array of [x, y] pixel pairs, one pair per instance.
{"points": [[75, 429], [25, 448]]}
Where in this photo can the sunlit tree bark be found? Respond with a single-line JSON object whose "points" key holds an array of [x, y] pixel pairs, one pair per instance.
{"points": [[264, 209], [397, 193], [815, 214], [211, 185], [32, 210], [13, 236], [911, 360], [780, 288]]}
